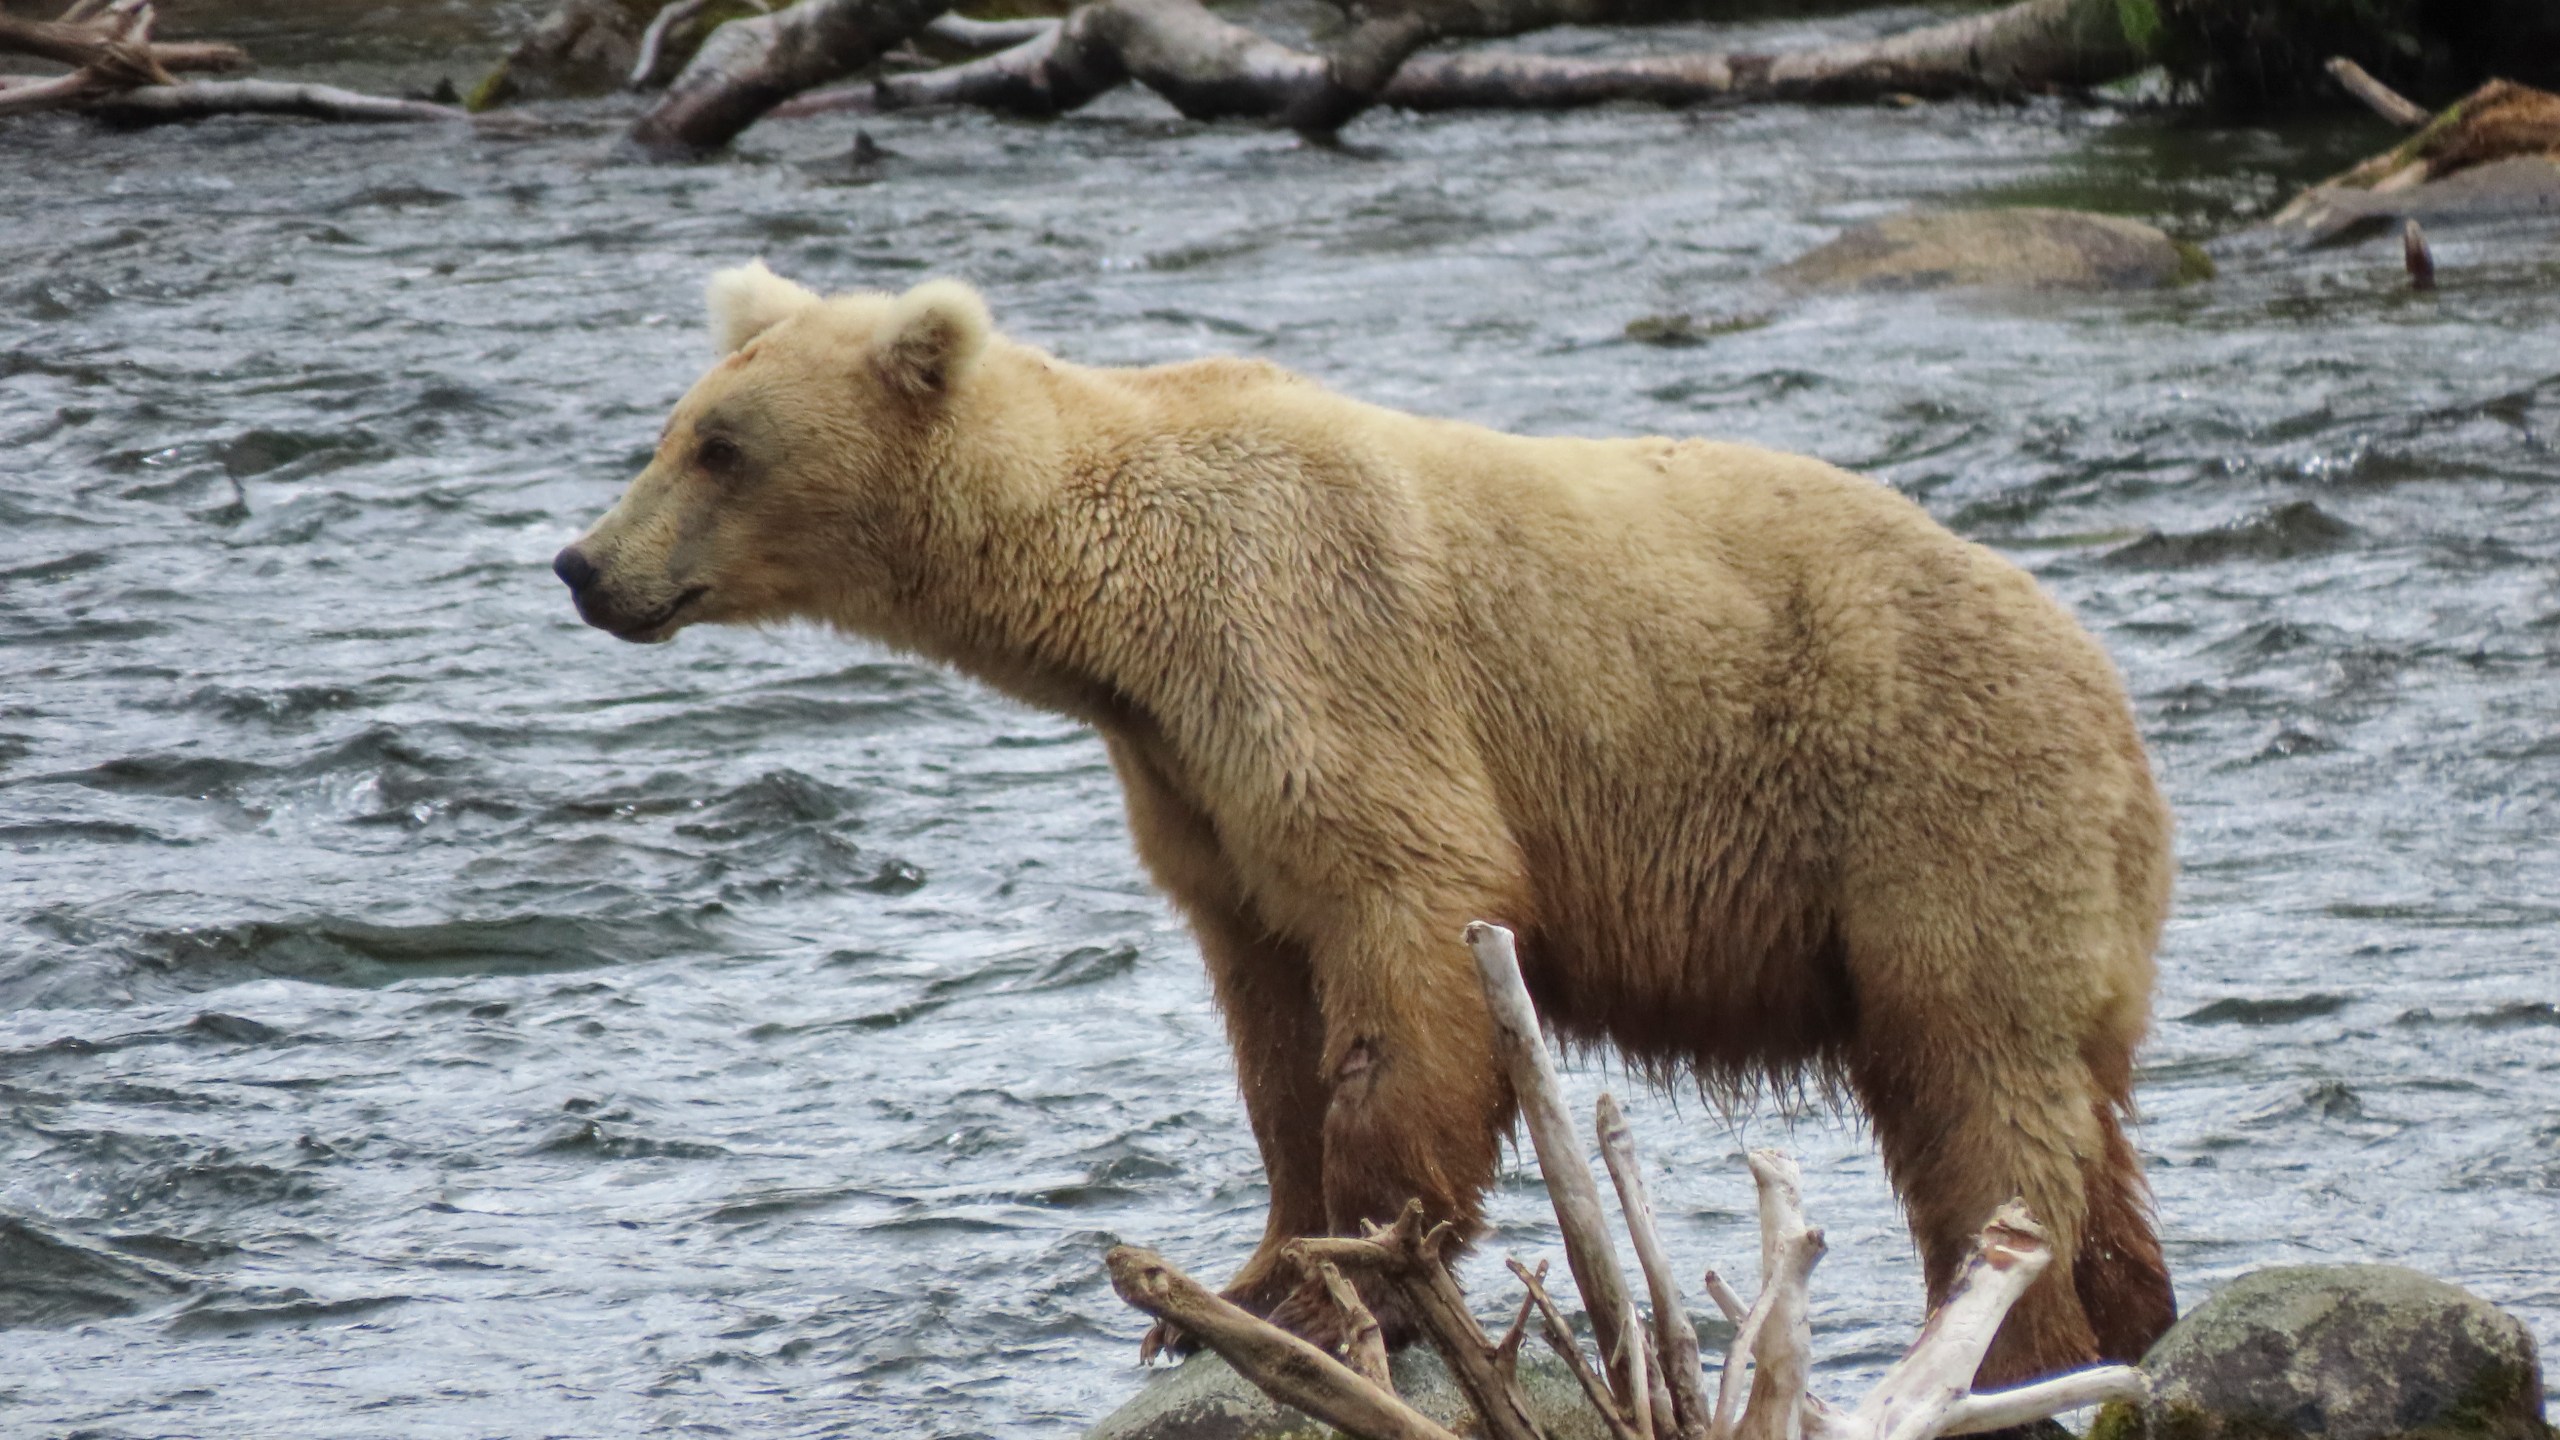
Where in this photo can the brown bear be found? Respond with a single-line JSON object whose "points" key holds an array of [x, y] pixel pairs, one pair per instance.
{"points": [[1773, 775]]}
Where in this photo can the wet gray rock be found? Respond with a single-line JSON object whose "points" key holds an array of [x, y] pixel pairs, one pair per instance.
{"points": [[2339, 1352], [2022, 249], [1203, 1398]]}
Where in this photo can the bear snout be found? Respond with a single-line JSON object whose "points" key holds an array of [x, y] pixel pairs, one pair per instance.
{"points": [[574, 569]]}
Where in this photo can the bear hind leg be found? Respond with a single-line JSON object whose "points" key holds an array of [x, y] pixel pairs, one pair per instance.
{"points": [[2119, 1273], [1958, 1143]]}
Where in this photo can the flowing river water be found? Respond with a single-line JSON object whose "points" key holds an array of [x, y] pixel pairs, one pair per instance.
{"points": [[421, 1015]]}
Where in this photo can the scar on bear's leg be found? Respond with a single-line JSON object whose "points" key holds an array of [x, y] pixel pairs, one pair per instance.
{"points": [[1355, 1074]]}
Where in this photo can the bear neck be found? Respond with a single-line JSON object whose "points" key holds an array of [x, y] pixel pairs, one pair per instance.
{"points": [[1032, 579]]}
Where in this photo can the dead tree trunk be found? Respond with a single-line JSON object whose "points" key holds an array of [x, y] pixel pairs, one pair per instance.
{"points": [[749, 66], [1209, 68]]}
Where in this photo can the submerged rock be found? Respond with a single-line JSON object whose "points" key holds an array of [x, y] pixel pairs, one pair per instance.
{"points": [[2287, 532], [51, 1277], [1203, 1398], [2022, 249], [2339, 1352]]}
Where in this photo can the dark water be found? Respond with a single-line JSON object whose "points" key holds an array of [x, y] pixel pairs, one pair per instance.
{"points": [[428, 1017]]}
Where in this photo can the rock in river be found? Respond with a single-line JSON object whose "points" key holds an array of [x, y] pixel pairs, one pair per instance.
{"points": [[2022, 249], [2340, 1352]]}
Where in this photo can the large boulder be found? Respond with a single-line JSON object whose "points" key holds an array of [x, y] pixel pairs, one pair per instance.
{"points": [[2339, 1352], [2021, 249], [1203, 1398]]}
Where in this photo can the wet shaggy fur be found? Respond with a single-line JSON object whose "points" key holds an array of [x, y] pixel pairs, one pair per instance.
{"points": [[1773, 775]]}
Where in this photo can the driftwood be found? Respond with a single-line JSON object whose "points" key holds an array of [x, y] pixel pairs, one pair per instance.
{"points": [[1411, 1258], [2384, 101], [110, 49], [1588, 1252], [1210, 68], [1287, 1368], [202, 99], [125, 77], [749, 66], [1927, 1393], [1674, 1340]]}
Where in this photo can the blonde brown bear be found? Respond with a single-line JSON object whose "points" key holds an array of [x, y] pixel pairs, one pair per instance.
{"points": [[1774, 776]]}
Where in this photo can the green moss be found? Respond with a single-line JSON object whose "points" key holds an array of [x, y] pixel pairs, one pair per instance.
{"points": [[2194, 266], [2503, 1402], [2141, 22], [2117, 1420], [493, 90]]}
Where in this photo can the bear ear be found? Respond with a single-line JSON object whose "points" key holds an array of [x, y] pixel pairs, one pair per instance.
{"points": [[932, 334], [750, 300]]}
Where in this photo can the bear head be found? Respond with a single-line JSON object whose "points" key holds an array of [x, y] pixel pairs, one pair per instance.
{"points": [[799, 478]]}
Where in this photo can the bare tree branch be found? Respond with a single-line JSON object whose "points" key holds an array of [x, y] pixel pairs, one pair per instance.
{"points": [[1587, 1248], [90, 46], [1674, 1338], [1364, 1345], [1285, 1367], [2384, 101]]}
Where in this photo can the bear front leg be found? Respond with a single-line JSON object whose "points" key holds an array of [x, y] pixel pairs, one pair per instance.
{"points": [[1266, 992], [1265, 989], [1417, 1102]]}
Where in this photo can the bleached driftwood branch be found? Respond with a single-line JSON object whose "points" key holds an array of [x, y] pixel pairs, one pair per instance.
{"points": [[1411, 1258], [202, 99], [1588, 1252], [1929, 1391], [2381, 99], [1762, 1391], [1285, 1367], [125, 77], [114, 41], [111, 49], [1674, 1340]]}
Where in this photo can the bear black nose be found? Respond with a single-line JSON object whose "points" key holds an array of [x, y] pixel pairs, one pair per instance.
{"points": [[574, 569]]}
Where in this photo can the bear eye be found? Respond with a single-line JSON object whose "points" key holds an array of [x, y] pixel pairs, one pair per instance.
{"points": [[718, 454]]}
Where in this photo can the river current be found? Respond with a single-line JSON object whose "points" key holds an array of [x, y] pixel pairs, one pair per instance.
{"points": [[421, 1015]]}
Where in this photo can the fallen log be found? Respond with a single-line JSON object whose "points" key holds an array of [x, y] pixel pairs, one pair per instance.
{"points": [[127, 78], [203, 99], [115, 44], [749, 66], [1211, 69], [112, 48]]}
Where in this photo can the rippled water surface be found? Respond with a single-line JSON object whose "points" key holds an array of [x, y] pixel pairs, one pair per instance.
{"points": [[424, 1016]]}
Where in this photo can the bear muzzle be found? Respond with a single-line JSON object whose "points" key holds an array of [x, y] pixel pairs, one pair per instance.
{"points": [[600, 607]]}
